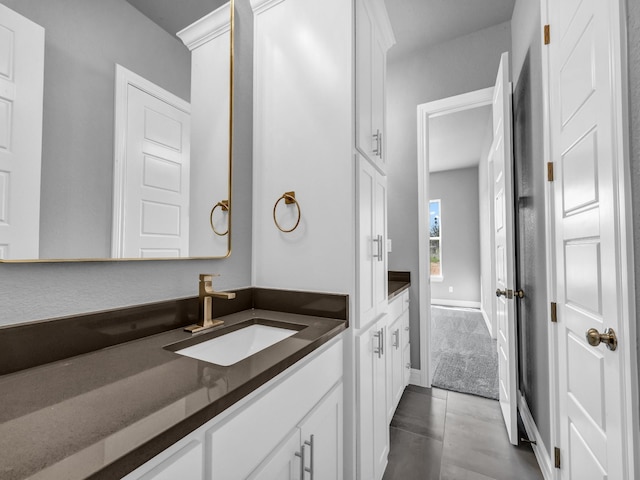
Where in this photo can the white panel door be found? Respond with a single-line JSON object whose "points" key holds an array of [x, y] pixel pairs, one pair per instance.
{"points": [[21, 94], [504, 247], [588, 273], [156, 185]]}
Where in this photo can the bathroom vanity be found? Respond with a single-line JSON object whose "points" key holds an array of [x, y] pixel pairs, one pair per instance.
{"points": [[139, 409]]}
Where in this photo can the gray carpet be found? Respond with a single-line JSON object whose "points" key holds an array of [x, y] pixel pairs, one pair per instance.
{"points": [[464, 355]]}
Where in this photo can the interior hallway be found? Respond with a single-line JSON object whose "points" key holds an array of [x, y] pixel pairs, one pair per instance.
{"points": [[441, 435]]}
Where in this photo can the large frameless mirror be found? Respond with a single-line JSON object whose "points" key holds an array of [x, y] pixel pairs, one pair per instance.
{"points": [[115, 129]]}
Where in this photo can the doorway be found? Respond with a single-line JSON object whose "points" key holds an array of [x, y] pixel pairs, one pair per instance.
{"points": [[434, 115], [463, 353]]}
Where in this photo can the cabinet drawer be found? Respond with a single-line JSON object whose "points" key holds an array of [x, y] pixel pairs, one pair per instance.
{"points": [[398, 305]]}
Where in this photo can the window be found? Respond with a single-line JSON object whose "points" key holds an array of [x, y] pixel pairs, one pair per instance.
{"points": [[435, 239]]}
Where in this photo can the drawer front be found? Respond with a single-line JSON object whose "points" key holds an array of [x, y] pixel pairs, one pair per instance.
{"points": [[398, 305]]}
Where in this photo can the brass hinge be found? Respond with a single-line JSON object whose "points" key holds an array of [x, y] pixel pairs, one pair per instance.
{"points": [[554, 312], [556, 455], [547, 35], [550, 171]]}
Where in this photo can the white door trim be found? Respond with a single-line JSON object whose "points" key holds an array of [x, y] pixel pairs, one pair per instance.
{"points": [[624, 235], [554, 400], [426, 111], [124, 78]]}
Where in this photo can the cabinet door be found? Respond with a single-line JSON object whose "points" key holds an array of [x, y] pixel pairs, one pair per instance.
{"points": [[380, 231], [283, 464], [364, 93], [373, 429], [378, 59], [395, 368], [321, 434], [372, 232], [406, 364]]}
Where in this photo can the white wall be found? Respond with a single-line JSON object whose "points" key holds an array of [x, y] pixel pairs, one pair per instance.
{"points": [[31, 292], [461, 65], [487, 296], [460, 236]]}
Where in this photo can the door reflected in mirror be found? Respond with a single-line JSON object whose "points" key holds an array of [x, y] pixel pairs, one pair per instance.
{"points": [[114, 130]]}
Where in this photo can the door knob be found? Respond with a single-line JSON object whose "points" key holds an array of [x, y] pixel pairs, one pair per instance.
{"points": [[504, 293], [608, 337]]}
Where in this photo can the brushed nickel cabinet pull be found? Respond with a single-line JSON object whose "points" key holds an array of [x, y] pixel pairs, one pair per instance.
{"points": [[310, 469], [300, 455]]}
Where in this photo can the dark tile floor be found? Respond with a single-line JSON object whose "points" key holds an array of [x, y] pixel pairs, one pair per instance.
{"points": [[442, 435]]}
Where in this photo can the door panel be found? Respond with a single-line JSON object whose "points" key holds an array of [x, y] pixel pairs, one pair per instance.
{"points": [[21, 100], [588, 260], [504, 246], [156, 212]]}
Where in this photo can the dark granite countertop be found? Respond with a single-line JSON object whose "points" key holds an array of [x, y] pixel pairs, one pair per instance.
{"points": [[398, 282], [103, 413]]}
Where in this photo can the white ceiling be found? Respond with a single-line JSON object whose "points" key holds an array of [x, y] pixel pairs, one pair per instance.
{"points": [[174, 15], [456, 139], [421, 24]]}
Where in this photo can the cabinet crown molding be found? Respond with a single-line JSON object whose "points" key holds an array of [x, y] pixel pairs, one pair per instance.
{"points": [[259, 6], [384, 24], [207, 28]]}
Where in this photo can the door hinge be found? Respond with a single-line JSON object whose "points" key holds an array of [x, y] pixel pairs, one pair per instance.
{"points": [[547, 35], [556, 455], [550, 171], [554, 312]]}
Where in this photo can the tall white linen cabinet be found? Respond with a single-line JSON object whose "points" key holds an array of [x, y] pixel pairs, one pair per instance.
{"points": [[319, 131]]}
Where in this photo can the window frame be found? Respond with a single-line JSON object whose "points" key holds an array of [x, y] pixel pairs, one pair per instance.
{"points": [[440, 277]]}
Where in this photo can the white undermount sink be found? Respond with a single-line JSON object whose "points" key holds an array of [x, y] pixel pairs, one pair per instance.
{"points": [[237, 345]]}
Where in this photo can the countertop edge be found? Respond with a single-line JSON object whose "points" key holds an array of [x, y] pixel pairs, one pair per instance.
{"points": [[398, 291]]}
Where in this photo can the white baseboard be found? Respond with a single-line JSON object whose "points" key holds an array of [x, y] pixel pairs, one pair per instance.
{"points": [[455, 303], [540, 450], [415, 378], [487, 322]]}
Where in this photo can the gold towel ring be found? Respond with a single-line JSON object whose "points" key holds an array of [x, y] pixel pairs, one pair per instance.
{"points": [[289, 199], [224, 204]]}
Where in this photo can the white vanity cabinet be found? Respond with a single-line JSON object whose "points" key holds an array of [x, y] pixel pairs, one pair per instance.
{"points": [[313, 449], [373, 428], [398, 351], [372, 238], [260, 434], [373, 38]]}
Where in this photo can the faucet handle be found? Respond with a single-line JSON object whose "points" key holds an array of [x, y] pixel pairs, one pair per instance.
{"points": [[208, 277]]}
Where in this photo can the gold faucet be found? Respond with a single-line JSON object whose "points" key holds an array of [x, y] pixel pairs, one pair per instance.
{"points": [[205, 304]]}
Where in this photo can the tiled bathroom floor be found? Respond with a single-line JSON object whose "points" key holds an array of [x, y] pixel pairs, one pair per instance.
{"points": [[442, 435]]}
